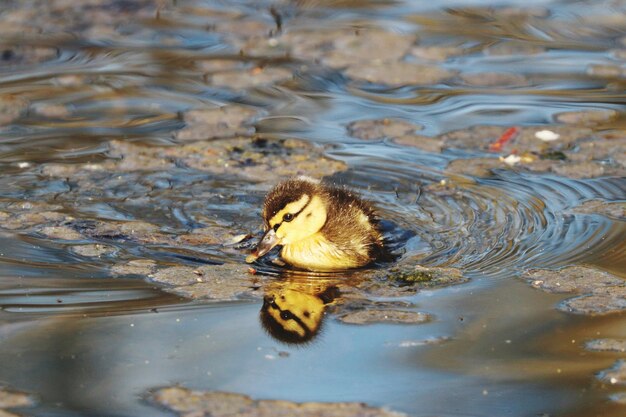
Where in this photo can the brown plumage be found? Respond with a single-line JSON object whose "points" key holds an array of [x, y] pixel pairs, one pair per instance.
{"points": [[320, 227]]}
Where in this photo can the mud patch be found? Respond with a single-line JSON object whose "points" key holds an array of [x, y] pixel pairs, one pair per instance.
{"points": [[606, 345], [94, 250], [476, 167], [424, 143], [11, 108], [396, 74], [222, 122], [615, 210], [574, 152], [142, 267], [253, 77], [407, 278], [399, 132], [436, 53], [494, 79], [27, 214], [225, 282], [371, 316], [602, 293], [249, 158], [602, 301], [378, 129], [190, 403], [587, 117], [13, 399], [61, 232]]}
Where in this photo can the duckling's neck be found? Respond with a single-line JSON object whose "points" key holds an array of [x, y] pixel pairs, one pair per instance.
{"points": [[317, 253]]}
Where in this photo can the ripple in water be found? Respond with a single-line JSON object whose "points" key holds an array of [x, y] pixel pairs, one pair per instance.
{"points": [[498, 226]]}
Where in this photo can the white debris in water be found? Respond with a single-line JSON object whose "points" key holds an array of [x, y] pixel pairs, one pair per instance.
{"points": [[273, 42], [547, 135], [511, 160], [427, 341], [23, 165], [613, 380], [410, 343]]}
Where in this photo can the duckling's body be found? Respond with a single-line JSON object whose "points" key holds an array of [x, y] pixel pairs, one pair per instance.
{"points": [[320, 227]]}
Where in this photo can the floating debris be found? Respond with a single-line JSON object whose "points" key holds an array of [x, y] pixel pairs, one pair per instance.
{"points": [[425, 342], [547, 135], [511, 160], [506, 137]]}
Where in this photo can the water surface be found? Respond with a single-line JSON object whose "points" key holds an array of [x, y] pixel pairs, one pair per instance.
{"points": [[86, 342]]}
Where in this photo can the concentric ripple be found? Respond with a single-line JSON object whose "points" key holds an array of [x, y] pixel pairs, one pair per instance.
{"points": [[497, 226]]}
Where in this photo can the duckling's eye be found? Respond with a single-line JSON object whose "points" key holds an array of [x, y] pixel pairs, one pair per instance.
{"points": [[288, 217], [286, 315]]}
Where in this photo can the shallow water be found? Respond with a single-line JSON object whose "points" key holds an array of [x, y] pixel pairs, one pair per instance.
{"points": [[84, 341]]}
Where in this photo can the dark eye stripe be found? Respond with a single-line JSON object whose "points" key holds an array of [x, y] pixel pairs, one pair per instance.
{"points": [[290, 216], [288, 315]]}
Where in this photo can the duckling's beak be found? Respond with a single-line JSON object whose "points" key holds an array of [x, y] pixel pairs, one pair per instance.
{"points": [[266, 244]]}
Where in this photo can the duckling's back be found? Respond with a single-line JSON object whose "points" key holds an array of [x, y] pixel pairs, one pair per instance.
{"points": [[352, 227]]}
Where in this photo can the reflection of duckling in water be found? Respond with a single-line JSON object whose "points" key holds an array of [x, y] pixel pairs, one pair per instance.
{"points": [[320, 227], [293, 312]]}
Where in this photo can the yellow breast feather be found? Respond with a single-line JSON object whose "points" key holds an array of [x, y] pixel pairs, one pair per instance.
{"points": [[318, 254]]}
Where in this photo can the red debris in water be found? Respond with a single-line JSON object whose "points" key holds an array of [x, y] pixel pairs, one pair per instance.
{"points": [[252, 271], [510, 134]]}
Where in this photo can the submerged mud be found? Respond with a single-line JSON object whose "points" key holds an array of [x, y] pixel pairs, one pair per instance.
{"points": [[601, 292], [10, 399], [220, 404]]}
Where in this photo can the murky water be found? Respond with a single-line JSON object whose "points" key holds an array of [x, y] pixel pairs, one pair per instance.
{"points": [[80, 82]]}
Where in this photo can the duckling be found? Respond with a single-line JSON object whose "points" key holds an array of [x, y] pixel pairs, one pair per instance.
{"points": [[319, 226]]}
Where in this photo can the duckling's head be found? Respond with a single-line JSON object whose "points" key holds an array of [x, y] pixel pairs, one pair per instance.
{"points": [[294, 316], [293, 211]]}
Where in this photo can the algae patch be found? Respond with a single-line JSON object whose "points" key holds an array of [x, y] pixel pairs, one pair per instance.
{"points": [[601, 292], [188, 403]]}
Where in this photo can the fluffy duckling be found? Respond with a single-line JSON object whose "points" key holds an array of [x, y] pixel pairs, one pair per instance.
{"points": [[320, 227]]}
